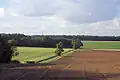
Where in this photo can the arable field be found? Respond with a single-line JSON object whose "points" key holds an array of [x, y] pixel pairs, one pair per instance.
{"points": [[101, 44], [35, 54], [83, 65]]}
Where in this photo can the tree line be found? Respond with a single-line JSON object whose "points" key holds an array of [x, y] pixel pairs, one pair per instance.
{"points": [[49, 41], [8, 48], [9, 42]]}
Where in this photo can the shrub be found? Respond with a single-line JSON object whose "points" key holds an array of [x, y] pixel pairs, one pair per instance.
{"points": [[30, 62], [12, 43], [15, 54], [76, 43], [59, 49], [6, 50], [15, 61]]}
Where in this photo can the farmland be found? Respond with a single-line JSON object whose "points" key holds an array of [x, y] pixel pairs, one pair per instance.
{"points": [[35, 54], [101, 44], [86, 63]]}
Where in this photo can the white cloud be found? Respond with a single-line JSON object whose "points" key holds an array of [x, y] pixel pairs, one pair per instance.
{"points": [[116, 21], [94, 17], [1, 12], [78, 11]]}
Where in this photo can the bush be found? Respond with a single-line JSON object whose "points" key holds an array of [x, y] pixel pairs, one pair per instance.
{"points": [[15, 61], [6, 50], [30, 62], [16, 54], [59, 49], [58, 52], [76, 44]]}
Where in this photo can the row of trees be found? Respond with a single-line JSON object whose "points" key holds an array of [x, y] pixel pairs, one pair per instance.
{"points": [[51, 40], [8, 48], [82, 37], [8, 43], [37, 41], [76, 44]]}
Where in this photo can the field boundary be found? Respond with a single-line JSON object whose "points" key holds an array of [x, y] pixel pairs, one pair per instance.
{"points": [[57, 57], [118, 50]]}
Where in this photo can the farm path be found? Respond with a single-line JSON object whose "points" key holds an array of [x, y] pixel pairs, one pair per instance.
{"points": [[84, 65]]}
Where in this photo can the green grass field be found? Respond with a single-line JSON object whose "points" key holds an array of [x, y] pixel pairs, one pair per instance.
{"points": [[35, 54], [101, 44]]}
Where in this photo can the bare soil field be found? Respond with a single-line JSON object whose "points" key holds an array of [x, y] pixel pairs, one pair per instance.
{"points": [[83, 65]]}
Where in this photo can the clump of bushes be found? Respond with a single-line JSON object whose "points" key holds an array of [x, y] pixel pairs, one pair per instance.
{"points": [[76, 44], [31, 62], [59, 49], [7, 48]]}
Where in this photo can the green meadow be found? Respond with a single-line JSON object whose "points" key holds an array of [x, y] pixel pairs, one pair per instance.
{"points": [[34, 54], [101, 44]]}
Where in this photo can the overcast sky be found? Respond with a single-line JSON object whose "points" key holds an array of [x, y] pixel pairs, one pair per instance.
{"points": [[84, 17]]}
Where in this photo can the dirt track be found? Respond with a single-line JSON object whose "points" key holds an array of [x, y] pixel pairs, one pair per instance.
{"points": [[85, 65]]}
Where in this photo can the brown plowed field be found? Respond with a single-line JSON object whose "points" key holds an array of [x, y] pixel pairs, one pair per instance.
{"points": [[84, 65]]}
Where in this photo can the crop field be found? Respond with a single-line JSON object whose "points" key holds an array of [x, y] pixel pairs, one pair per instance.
{"points": [[83, 65], [101, 44], [35, 54]]}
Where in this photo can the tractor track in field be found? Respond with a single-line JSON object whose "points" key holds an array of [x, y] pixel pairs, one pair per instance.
{"points": [[83, 65]]}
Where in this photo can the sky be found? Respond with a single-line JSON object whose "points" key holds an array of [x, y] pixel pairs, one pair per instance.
{"points": [[83, 17]]}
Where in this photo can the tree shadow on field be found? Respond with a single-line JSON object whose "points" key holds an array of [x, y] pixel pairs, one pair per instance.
{"points": [[47, 59], [53, 56], [12, 65], [67, 51], [55, 74], [7, 66]]}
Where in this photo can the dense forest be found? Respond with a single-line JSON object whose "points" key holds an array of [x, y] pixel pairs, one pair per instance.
{"points": [[51, 40]]}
